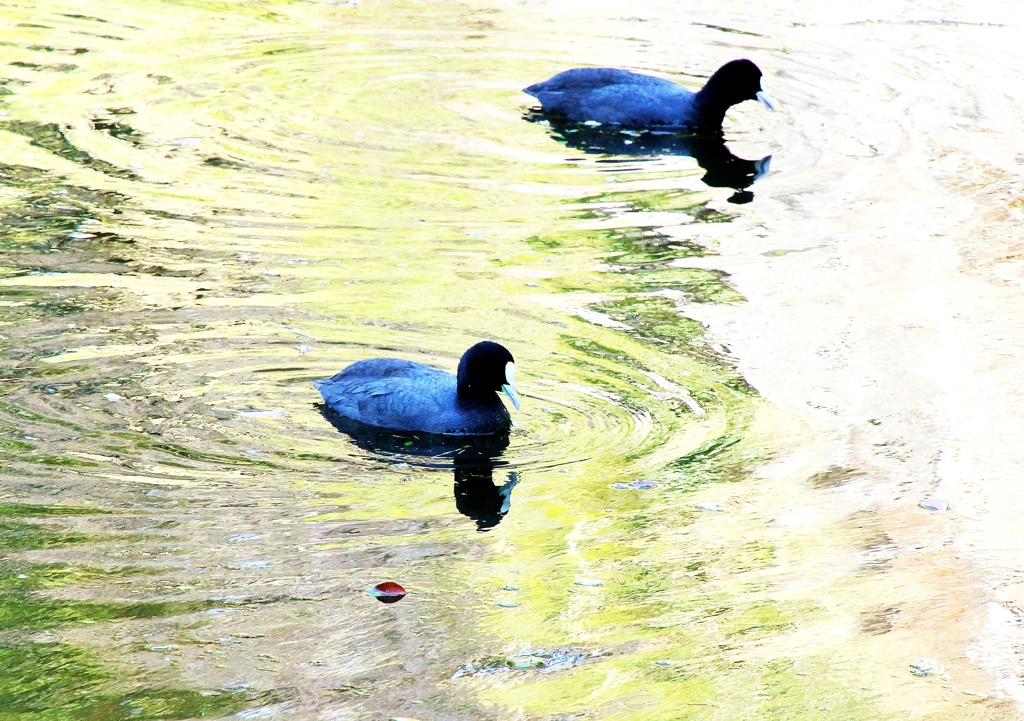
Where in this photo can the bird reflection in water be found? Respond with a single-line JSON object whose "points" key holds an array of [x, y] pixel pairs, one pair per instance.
{"points": [[472, 458], [724, 170]]}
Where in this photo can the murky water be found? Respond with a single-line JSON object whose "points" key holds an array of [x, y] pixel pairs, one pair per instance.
{"points": [[208, 206]]}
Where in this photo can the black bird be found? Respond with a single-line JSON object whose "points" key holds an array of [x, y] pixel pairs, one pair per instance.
{"points": [[632, 100], [406, 396]]}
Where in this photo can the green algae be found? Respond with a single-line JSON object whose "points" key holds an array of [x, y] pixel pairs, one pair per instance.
{"points": [[61, 462], [115, 127], [696, 285], [60, 683], [35, 511], [657, 320], [140, 442], [719, 460], [29, 613], [51, 137], [16, 445], [630, 246], [24, 577], [24, 536], [11, 409], [691, 204]]}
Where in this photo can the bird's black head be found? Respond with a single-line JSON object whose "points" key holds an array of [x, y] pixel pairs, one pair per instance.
{"points": [[485, 369], [734, 82]]}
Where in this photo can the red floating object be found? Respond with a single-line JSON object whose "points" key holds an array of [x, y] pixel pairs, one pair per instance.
{"points": [[387, 592]]}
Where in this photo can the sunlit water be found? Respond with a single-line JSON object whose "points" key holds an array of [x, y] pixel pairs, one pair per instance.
{"points": [[208, 206]]}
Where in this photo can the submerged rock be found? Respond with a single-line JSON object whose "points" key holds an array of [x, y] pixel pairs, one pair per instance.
{"points": [[524, 664], [934, 504], [642, 485], [254, 413], [925, 667], [539, 660]]}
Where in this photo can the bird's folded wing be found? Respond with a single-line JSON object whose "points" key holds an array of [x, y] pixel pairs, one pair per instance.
{"points": [[580, 79]]}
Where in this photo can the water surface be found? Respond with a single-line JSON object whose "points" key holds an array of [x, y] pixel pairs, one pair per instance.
{"points": [[208, 206]]}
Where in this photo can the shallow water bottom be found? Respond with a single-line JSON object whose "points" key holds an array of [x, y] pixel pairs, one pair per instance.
{"points": [[701, 513]]}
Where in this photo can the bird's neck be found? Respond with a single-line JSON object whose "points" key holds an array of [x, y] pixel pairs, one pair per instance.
{"points": [[467, 392], [710, 110]]}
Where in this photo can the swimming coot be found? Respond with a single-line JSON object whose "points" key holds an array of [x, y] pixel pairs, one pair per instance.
{"points": [[631, 100], [406, 396]]}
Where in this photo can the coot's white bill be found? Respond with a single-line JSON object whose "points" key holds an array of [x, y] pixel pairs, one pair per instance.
{"points": [[768, 100], [509, 387]]}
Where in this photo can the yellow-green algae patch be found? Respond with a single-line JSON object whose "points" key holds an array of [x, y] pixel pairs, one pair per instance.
{"points": [[55, 682]]}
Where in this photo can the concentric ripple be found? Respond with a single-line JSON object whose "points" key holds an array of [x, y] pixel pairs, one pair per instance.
{"points": [[208, 208]]}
